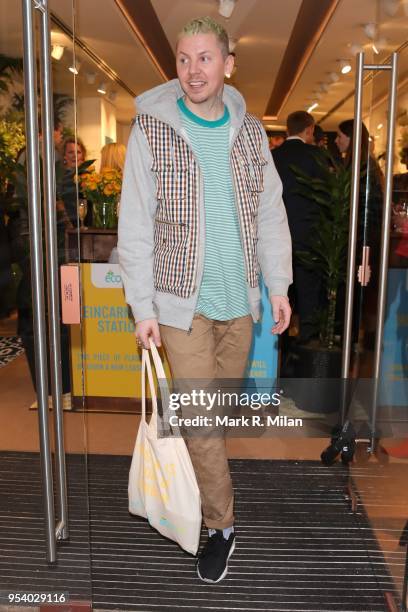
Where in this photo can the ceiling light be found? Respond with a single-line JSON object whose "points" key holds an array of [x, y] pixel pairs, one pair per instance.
{"points": [[379, 45], [334, 77], [75, 67], [370, 30], [90, 77], [232, 44], [345, 66], [112, 95], [57, 51], [226, 8], [311, 108], [391, 7], [324, 87], [354, 49], [102, 88], [379, 126]]}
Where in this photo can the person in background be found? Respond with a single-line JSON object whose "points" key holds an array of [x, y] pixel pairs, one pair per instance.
{"points": [[371, 181], [400, 181], [319, 137], [298, 150], [113, 156], [74, 153], [369, 227], [201, 214], [24, 295], [276, 140]]}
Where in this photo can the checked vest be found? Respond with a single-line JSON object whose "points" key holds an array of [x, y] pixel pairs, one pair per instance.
{"points": [[176, 228]]}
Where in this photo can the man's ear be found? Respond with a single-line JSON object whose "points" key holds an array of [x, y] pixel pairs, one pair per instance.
{"points": [[229, 65]]}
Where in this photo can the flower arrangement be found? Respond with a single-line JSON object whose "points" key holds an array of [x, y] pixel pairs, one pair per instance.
{"points": [[11, 142], [103, 190], [104, 186]]}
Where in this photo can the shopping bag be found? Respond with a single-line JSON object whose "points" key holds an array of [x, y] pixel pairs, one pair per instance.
{"points": [[162, 482]]}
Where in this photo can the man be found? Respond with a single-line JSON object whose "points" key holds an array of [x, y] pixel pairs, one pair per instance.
{"points": [[298, 151], [201, 207]]}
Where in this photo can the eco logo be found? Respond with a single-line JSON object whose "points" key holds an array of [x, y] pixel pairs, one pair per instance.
{"points": [[111, 277], [106, 276]]}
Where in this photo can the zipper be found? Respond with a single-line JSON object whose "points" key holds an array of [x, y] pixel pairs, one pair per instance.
{"points": [[201, 193], [240, 224], [174, 223]]}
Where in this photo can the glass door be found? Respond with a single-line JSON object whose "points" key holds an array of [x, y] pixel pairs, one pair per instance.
{"points": [[379, 407], [44, 513]]}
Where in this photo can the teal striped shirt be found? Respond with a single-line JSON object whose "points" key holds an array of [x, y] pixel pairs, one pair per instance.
{"points": [[223, 291]]}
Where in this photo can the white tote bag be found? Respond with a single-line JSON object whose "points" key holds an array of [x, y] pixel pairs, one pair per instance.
{"points": [[162, 483]]}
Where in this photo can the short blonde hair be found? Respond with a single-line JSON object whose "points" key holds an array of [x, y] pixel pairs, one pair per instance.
{"points": [[113, 156], [206, 25]]}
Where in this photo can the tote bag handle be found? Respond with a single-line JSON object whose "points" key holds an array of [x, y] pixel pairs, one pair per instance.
{"points": [[162, 382]]}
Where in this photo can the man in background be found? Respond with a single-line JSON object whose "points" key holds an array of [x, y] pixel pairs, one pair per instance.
{"points": [[298, 151]]}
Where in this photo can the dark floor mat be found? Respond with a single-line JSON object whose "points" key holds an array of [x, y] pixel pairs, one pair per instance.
{"points": [[299, 546]]}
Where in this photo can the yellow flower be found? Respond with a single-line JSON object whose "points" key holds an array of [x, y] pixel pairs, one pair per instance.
{"points": [[108, 190]]}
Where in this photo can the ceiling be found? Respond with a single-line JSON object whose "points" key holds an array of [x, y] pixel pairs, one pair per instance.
{"points": [[112, 50]]}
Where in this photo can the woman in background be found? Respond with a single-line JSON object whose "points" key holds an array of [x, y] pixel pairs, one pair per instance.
{"points": [[369, 226], [113, 156]]}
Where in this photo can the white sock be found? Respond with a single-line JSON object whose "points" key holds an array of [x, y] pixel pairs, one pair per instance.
{"points": [[225, 532]]}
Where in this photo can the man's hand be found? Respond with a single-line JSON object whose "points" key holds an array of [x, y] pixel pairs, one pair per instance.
{"points": [[281, 312], [144, 330]]}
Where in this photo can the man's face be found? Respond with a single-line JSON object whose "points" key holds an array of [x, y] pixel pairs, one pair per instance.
{"points": [[201, 67]]}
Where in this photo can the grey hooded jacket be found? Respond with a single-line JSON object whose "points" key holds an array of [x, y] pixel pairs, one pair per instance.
{"points": [[138, 210]]}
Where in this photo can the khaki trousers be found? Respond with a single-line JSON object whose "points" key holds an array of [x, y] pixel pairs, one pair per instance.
{"points": [[212, 350]]}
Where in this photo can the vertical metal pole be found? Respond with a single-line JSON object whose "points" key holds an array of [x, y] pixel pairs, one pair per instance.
{"points": [[49, 188], [37, 275], [385, 239], [355, 192]]}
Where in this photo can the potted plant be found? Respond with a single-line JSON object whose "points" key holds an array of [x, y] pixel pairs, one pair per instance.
{"points": [[327, 255]]}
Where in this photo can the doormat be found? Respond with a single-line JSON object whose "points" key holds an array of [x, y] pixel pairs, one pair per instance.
{"points": [[10, 348]]}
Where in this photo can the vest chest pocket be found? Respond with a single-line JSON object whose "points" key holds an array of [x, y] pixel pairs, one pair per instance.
{"points": [[171, 182]]}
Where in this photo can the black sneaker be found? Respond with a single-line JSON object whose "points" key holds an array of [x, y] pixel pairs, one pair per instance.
{"points": [[212, 564]]}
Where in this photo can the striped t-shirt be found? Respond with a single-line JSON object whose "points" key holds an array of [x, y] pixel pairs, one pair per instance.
{"points": [[223, 291]]}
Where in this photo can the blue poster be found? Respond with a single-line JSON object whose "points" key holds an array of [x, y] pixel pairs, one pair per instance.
{"points": [[394, 359]]}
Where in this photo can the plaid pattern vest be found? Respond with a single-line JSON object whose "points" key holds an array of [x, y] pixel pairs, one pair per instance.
{"points": [[176, 231]]}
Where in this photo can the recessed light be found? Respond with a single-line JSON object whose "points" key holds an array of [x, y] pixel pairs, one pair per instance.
{"points": [[311, 108], [379, 126], [76, 65], [334, 77], [226, 8], [57, 51], [370, 30], [345, 66], [232, 43], [354, 49]]}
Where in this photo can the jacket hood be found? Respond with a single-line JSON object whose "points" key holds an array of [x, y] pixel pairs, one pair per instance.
{"points": [[161, 103]]}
